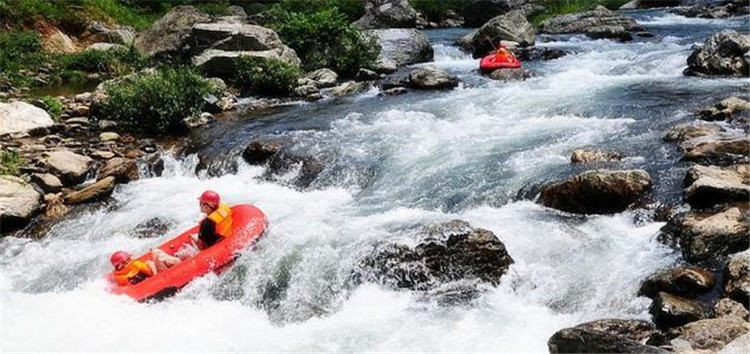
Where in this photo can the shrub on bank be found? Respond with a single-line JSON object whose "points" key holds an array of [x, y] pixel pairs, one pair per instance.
{"points": [[156, 103], [20, 51], [111, 62], [263, 76], [53, 107], [324, 39]]}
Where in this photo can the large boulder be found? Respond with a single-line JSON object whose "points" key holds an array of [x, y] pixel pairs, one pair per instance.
{"points": [[604, 336], [221, 63], [69, 167], [597, 192], [21, 117], [687, 131], [714, 333], [724, 53], [97, 191], [722, 152], [737, 277], [708, 237], [478, 12], [431, 78], [584, 22], [512, 26], [168, 35], [122, 169], [402, 46], [683, 281], [19, 201], [731, 109], [232, 37], [672, 311], [445, 252], [710, 185], [387, 14]]}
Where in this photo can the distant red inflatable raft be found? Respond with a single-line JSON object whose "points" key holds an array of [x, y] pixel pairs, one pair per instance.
{"points": [[249, 224], [503, 60]]}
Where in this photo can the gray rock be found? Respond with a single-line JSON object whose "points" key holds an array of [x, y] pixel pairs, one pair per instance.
{"points": [[591, 156], [402, 46], [259, 152], [431, 78], [237, 11], [737, 346], [717, 10], [708, 237], [323, 78], [168, 35], [737, 275], [122, 169], [306, 90], [672, 311], [21, 117], [394, 91], [584, 21], [445, 252], [604, 336], [729, 307], [100, 32], [109, 136], [366, 75], [478, 12], [47, 182], [683, 281], [348, 88], [106, 47], [232, 37], [70, 167], [609, 32], [221, 63], [710, 185], [385, 66], [387, 14], [730, 109], [19, 202], [714, 333], [719, 152], [97, 191], [597, 192], [724, 53], [687, 131], [647, 4], [512, 26], [516, 74]]}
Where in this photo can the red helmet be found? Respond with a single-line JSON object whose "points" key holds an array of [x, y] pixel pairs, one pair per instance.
{"points": [[118, 257], [210, 197]]}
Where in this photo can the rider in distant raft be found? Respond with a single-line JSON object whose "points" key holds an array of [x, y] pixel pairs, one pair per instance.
{"points": [[215, 227]]}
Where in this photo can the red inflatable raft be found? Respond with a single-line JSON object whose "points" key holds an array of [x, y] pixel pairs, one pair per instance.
{"points": [[248, 225], [499, 60]]}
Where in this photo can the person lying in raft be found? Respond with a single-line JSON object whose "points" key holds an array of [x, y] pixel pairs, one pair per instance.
{"points": [[216, 226], [129, 271]]}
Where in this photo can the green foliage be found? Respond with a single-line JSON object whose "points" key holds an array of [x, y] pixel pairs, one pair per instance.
{"points": [[351, 9], [434, 10], [156, 103], [71, 13], [10, 162], [562, 7], [267, 77], [54, 106], [21, 53], [115, 61], [324, 39]]}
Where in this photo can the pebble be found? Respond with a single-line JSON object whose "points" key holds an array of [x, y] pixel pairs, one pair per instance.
{"points": [[109, 136], [103, 154]]}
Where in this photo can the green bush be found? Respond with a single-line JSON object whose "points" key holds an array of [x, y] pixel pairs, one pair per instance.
{"points": [[263, 76], [115, 61], [54, 106], [324, 39], [156, 103], [352, 9], [20, 50], [561, 7], [10, 162]]}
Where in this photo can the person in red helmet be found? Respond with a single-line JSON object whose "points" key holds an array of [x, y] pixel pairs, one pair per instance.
{"points": [[128, 271], [215, 227]]}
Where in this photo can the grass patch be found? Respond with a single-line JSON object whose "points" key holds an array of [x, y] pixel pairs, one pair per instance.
{"points": [[323, 38], [10, 163], [111, 62], [562, 7], [267, 77], [54, 107], [156, 103]]}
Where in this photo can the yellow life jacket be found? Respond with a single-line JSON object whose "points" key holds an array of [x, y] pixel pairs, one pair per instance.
{"points": [[133, 273], [222, 216]]}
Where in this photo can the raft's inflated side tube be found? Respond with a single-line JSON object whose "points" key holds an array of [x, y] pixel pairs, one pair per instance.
{"points": [[496, 61], [248, 224]]}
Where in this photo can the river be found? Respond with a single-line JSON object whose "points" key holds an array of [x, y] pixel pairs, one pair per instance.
{"points": [[476, 153]]}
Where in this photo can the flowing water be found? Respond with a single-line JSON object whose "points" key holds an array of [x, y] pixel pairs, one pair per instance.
{"points": [[476, 153]]}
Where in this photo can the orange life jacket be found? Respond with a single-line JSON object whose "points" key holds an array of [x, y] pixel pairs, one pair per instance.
{"points": [[133, 273], [222, 216]]}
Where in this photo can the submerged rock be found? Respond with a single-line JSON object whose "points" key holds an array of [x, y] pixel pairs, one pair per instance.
{"points": [[511, 26], [590, 156], [604, 336], [509, 74], [597, 192], [710, 185], [402, 46], [445, 252], [154, 227], [21, 117], [672, 311], [737, 276], [387, 14], [431, 78], [724, 53], [19, 201], [216, 165], [708, 237], [683, 281], [261, 151]]}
